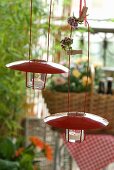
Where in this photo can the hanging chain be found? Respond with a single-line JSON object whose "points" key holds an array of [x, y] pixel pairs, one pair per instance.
{"points": [[30, 31]]}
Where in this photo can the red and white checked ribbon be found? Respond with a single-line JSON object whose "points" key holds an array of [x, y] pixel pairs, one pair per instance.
{"points": [[80, 9]]}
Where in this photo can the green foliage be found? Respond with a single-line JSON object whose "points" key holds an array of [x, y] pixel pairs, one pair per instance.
{"points": [[9, 159], [8, 165], [14, 42], [26, 162], [15, 155], [6, 148]]}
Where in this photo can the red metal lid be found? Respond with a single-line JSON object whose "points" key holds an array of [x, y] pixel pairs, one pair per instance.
{"points": [[77, 121], [37, 66]]}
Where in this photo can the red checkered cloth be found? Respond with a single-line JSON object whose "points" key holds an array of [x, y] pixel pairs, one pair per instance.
{"points": [[95, 153]]}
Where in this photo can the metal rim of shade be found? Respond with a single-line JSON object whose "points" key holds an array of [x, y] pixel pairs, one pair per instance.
{"points": [[76, 120], [37, 66]]}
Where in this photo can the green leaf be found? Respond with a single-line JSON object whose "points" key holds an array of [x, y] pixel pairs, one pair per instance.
{"points": [[26, 162], [8, 165], [7, 148]]}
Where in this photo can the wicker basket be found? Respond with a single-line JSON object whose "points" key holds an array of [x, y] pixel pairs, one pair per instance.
{"points": [[99, 104]]}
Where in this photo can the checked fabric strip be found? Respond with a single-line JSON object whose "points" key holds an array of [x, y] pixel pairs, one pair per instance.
{"points": [[95, 153]]}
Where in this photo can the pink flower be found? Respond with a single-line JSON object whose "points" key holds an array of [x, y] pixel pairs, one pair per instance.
{"points": [[59, 80]]}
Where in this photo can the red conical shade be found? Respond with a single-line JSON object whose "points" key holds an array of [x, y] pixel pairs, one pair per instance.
{"points": [[77, 121], [37, 66]]}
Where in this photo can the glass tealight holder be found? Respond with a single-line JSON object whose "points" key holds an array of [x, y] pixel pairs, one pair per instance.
{"points": [[35, 80], [74, 135]]}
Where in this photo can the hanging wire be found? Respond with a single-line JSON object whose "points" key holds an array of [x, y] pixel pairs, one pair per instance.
{"points": [[85, 98], [88, 61], [85, 19], [48, 36], [80, 7], [48, 45], [86, 23], [30, 31], [69, 84], [69, 76]]}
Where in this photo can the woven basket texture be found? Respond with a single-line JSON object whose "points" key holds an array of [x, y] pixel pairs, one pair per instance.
{"points": [[99, 104]]}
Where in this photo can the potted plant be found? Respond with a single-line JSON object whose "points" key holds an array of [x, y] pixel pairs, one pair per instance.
{"points": [[15, 155]]}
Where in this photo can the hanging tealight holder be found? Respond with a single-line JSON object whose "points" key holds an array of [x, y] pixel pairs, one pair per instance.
{"points": [[73, 136], [35, 80], [75, 123], [36, 70]]}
